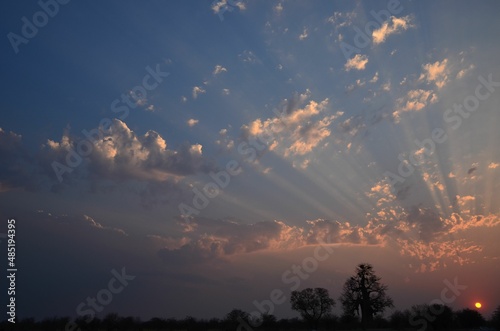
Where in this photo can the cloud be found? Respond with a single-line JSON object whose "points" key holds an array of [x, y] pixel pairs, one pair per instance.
{"points": [[392, 26], [421, 234], [224, 141], [211, 239], [303, 35], [298, 131], [248, 57], [89, 220], [278, 9], [493, 165], [382, 193], [358, 62], [340, 19], [414, 100], [226, 91], [121, 154], [465, 71], [197, 90], [207, 239], [227, 5], [357, 84], [192, 122], [219, 69], [436, 72]]}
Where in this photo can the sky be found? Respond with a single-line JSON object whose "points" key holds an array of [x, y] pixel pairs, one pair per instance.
{"points": [[215, 153]]}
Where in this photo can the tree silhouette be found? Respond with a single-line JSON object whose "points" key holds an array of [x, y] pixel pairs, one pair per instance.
{"points": [[312, 304], [495, 318], [468, 318], [236, 317], [364, 292], [399, 320], [431, 316]]}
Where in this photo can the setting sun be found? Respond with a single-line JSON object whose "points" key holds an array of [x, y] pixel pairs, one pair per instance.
{"points": [[478, 305]]}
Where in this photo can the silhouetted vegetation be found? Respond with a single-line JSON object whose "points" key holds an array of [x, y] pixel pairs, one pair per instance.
{"points": [[469, 319], [495, 319], [364, 295], [312, 304], [361, 292], [429, 317], [466, 319]]}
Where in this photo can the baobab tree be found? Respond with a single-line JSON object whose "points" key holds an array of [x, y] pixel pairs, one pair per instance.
{"points": [[364, 292]]}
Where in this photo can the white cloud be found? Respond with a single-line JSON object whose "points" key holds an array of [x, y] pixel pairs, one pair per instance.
{"points": [[226, 91], [382, 193], [386, 86], [196, 91], [121, 154], [463, 72], [278, 8], [414, 100], [493, 165], [298, 131], [358, 62], [358, 83], [341, 20], [224, 141], [303, 35], [89, 220], [227, 5], [436, 72], [392, 26], [192, 122], [219, 69]]}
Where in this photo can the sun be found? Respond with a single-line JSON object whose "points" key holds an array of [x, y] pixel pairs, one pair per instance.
{"points": [[478, 305]]}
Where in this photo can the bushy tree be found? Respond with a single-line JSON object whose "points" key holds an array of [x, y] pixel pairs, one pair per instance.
{"points": [[399, 320], [495, 319], [235, 317], [364, 295], [431, 317], [468, 318], [312, 304]]}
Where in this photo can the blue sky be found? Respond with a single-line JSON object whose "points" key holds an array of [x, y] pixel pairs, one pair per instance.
{"points": [[318, 108]]}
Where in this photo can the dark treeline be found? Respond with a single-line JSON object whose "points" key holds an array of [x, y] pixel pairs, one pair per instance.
{"points": [[364, 299], [419, 317]]}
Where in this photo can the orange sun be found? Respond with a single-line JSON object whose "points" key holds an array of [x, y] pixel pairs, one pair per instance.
{"points": [[478, 305]]}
